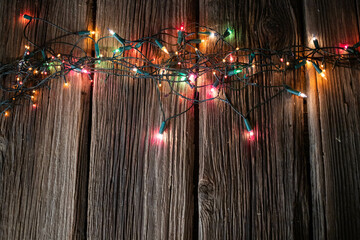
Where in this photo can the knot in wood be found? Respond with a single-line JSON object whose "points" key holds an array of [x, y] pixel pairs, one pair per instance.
{"points": [[206, 196]]}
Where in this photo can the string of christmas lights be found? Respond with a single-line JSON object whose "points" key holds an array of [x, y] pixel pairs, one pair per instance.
{"points": [[180, 62]]}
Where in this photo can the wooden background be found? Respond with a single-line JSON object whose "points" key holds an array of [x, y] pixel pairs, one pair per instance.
{"points": [[83, 164]]}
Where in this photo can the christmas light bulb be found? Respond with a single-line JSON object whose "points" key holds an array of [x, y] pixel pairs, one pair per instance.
{"points": [[34, 105], [117, 37], [192, 78], [161, 131], [227, 33], [212, 35], [251, 133], [294, 92], [134, 69], [84, 70], [316, 42], [165, 50], [7, 113], [303, 95], [27, 17], [281, 60], [162, 47], [248, 127]]}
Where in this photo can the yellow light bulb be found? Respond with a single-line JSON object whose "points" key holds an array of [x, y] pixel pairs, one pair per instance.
{"points": [[165, 50], [66, 84]]}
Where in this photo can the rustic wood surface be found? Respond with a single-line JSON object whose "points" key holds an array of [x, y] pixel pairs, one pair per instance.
{"points": [[138, 187], [334, 125], [85, 164], [41, 149], [259, 188]]}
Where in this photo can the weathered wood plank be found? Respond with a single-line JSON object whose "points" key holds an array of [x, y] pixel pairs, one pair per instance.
{"points": [[41, 150], [255, 189], [139, 189], [334, 125]]}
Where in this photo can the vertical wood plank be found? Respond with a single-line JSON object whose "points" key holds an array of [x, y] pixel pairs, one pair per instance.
{"points": [[139, 188], [334, 125], [255, 189], [41, 150]]}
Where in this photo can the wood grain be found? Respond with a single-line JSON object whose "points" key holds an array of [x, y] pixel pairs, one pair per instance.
{"points": [[334, 124], [41, 150], [139, 188], [255, 189]]}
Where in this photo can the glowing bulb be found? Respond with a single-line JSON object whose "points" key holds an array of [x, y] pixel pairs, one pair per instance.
{"points": [[27, 47], [34, 105], [66, 84], [287, 63], [182, 28], [214, 73], [84, 70], [202, 40], [253, 65], [281, 60], [314, 38], [212, 35], [92, 32], [231, 58], [196, 49], [179, 63], [346, 47], [237, 49], [303, 95], [159, 84], [224, 60], [323, 75], [165, 50], [161, 131], [111, 32], [30, 69], [7, 114], [322, 66], [134, 69], [176, 53], [192, 78], [251, 133], [32, 97], [34, 91], [160, 136]]}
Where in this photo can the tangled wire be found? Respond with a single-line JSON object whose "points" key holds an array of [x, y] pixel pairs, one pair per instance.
{"points": [[224, 64]]}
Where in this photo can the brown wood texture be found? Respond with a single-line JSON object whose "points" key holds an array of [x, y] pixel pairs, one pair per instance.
{"points": [[85, 164], [138, 188], [334, 125], [258, 188], [41, 149]]}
